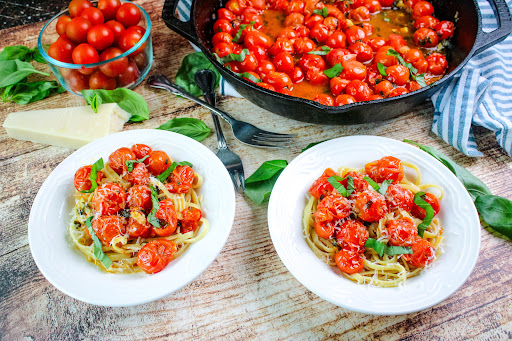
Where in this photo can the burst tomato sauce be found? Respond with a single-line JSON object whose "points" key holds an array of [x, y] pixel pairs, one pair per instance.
{"points": [[333, 52]]}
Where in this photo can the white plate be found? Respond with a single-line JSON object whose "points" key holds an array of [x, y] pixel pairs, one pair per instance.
{"points": [[66, 267], [458, 218]]}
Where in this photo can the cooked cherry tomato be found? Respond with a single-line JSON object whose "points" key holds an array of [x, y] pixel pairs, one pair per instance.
{"points": [[278, 80], [399, 197], [324, 227], [425, 37], [266, 86], [296, 75], [139, 175], [321, 187], [397, 92], [157, 162], [224, 13], [138, 226], [294, 19], [386, 168], [168, 219], [108, 199], [141, 150], [82, 178], [320, 32], [128, 14], [377, 42], [338, 85], [190, 221], [383, 88], [370, 206], [360, 185], [100, 37], [421, 9], [437, 63], [401, 232], [77, 29], [349, 261], [445, 29], [77, 6], [361, 13], [344, 99], [139, 196], [265, 67], [355, 34], [385, 59], [317, 77], [284, 62], [154, 256], [359, 90], [352, 235], [423, 253], [281, 45], [337, 56], [223, 25], [117, 160], [398, 74], [431, 199], [107, 228], [181, 180], [62, 24], [427, 21], [94, 15]]}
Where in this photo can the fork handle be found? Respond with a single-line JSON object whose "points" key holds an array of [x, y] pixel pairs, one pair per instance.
{"points": [[211, 99], [162, 82]]}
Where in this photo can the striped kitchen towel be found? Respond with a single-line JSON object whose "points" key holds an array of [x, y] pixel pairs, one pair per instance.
{"points": [[478, 95]]}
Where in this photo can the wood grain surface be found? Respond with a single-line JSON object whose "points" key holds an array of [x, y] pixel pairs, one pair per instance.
{"points": [[247, 293]]}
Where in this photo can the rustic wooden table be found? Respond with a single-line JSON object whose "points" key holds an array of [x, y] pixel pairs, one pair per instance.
{"points": [[247, 293]]}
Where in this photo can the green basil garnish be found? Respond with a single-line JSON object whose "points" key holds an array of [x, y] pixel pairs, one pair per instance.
{"points": [[191, 127], [98, 249], [325, 51], [14, 71], [390, 250], [190, 65], [382, 189], [311, 145], [241, 29], [96, 167], [324, 12], [165, 174], [334, 71], [232, 57], [392, 52], [420, 79], [129, 163], [127, 99], [24, 93], [429, 212], [335, 183], [156, 205], [259, 185], [382, 69], [21, 53]]}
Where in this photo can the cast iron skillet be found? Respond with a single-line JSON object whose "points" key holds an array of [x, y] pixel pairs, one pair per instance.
{"points": [[468, 40]]}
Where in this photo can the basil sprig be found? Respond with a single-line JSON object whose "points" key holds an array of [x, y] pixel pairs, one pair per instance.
{"points": [[14, 71], [156, 205], [325, 51], [391, 250], [127, 99], [429, 212], [22, 53], [312, 144], [232, 57], [335, 183], [334, 71], [324, 12], [24, 93], [259, 185], [382, 189], [494, 210], [130, 163], [247, 75], [190, 65], [165, 174], [191, 127], [382, 69], [96, 167], [98, 249], [241, 29]]}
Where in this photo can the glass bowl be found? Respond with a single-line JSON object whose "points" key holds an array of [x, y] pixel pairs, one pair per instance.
{"points": [[75, 77]]}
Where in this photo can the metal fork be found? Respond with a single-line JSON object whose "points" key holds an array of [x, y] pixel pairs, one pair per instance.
{"points": [[205, 79], [243, 131]]}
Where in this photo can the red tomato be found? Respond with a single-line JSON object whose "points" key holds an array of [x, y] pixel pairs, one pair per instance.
{"points": [[360, 14], [224, 13], [223, 49], [424, 37], [128, 76], [445, 29], [157, 162], [360, 185], [266, 86], [401, 232], [386, 168], [324, 227], [412, 86], [311, 61], [82, 178], [94, 15], [265, 67], [77, 6], [303, 45], [421, 65], [98, 80], [128, 14], [130, 38], [141, 150], [294, 19], [250, 63], [396, 41], [62, 49], [377, 42], [139, 196], [359, 90], [138, 225], [338, 85], [85, 54], [116, 67], [190, 221], [324, 99], [337, 56], [154, 256], [139, 175], [75, 80], [370, 206], [349, 262], [337, 39], [296, 75], [302, 31], [420, 213], [117, 160], [355, 34], [108, 199], [387, 3], [317, 77], [107, 228], [363, 51], [321, 187], [352, 235], [413, 55], [397, 92], [166, 214], [338, 205], [320, 32], [353, 70], [278, 80], [313, 20], [77, 29], [259, 52], [383, 88], [116, 27], [281, 45], [422, 8], [288, 33], [255, 38], [398, 74], [437, 64], [223, 25], [222, 37], [344, 99], [100, 37], [373, 5], [383, 58], [423, 253], [427, 21], [62, 23], [109, 8], [181, 180], [399, 197], [284, 62], [331, 23]]}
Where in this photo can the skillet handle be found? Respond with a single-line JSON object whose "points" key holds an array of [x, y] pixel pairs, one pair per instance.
{"points": [[485, 40], [185, 29]]}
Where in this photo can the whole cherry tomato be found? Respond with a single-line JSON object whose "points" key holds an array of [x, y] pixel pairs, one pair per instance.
{"points": [[116, 67], [422, 8], [431, 199], [85, 54], [99, 80], [62, 24], [100, 37], [324, 99], [399, 197], [116, 27], [130, 38], [304, 45], [222, 37], [155, 255], [288, 33], [109, 8], [296, 75], [250, 63], [139, 175], [445, 29], [313, 20], [139, 196], [427, 21], [107, 228], [344, 99], [62, 49], [129, 75], [157, 162], [281, 45], [284, 62], [386, 168], [349, 262], [383, 88], [355, 34], [373, 5], [224, 13], [376, 43], [337, 56], [425, 37], [93, 15], [266, 86], [387, 3], [128, 14], [181, 180], [370, 206], [235, 6], [337, 39], [359, 90], [320, 32], [317, 77], [338, 205], [265, 67], [398, 74], [141, 150], [75, 80], [278, 80], [401, 232], [77, 29], [223, 49], [138, 226], [223, 25], [423, 253], [83, 178], [294, 19], [338, 85], [321, 187], [324, 227], [117, 160], [363, 51], [360, 185], [311, 61], [354, 70], [361, 13], [256, 38], [437, 63], [77, 6], [191, 218], [108, 199], [166, 214], [397, 92], [352, 235]]}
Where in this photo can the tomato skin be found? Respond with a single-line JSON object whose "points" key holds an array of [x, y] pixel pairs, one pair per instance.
{"points": [[296, 75], [139, 175], [338, 85], [397, 92], [370, 206], [181, 180], [130, 38], [75, 80], [288, 33], [108, 199], [359, 90], [266, 86], [223, 49], [129, 75], [85, 54], [422, 8], [354, 70], [437, 63], [255, 38], [383, 58], [384, 87], [363, 51], [141, 150], [311, 61], [360, 185], [386, 168], [323, 226], [361, 13], [77, 6], [445, 29], [399, 197], [344, 99], [284, 62], [116, 27], [62, 23], [355, 34], [427, 21], [265, 67], [94, 15], [313, 20], [138, 225], [109, 8], [373, 5], [235, 7], [157, 162], [139, 196], [221, 37], [100, 37], [352, 235], [107, 228], [224, 13], [117, 160], [294, 19], [338, 205], [413, 55], [336, 56], [423, 253], [168, 219], [304, 45], [62, 49], [337, 39], [420, 213], [278, 80], [425, 37], [281, 45], [324, 99], [319, 32], [77, 29], [99, 80], [317, 77], [156, 255], [223, 25], [82, 179], [349, 262], [398, 74], [321, 187], [191, 218], [401, 232], [128, 14], [116, 67]]}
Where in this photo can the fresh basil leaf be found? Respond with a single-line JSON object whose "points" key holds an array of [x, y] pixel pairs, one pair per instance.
{"points": [[241, 29], [156, 205], [98, 249], [129, 163], [334, 71], [382, 69], [165, 174], [429, 212], [474, 186], [127, 99], [497, 212], [14, 71], [191, 127], [190, 65], [384, 187], [392, 52], [372, 183], [311, 145], [335, 183], [324, 12], [325, 51], [259, 185], [24, 93], [420, 79], [391, 250], [249, 76], [96, 167], [232, 57], [36, 55], [15, 52]]}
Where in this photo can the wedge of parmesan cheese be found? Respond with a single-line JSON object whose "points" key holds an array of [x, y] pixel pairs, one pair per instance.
{"points": [[66, 127]]}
